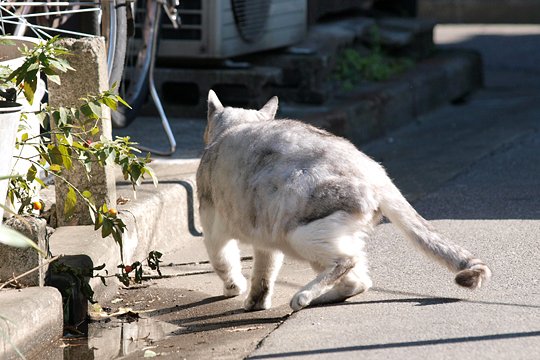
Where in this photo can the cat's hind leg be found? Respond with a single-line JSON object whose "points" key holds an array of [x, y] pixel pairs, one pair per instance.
{"points": [[334, 246], [223, 254], [265, 270], [356, 281], [324, 282]]}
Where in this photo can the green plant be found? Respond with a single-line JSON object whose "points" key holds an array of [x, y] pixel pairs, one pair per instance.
{"points": [[136, 268], [353, 67], [127, 275], [71, 137], [45, 58]]}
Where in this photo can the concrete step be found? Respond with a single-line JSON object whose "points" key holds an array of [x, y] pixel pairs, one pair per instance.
{"points": [[30, 320], [161, 218]]}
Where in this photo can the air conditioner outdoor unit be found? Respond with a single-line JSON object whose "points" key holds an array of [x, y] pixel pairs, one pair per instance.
{"points": [[219, 29]]}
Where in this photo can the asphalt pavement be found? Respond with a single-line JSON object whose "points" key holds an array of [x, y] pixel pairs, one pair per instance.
{"points": [[473, 169]]}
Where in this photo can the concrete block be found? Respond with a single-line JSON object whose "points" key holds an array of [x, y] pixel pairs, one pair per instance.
{"points": [[15, 261], [36, 308], [184, 91], [88, 58]]}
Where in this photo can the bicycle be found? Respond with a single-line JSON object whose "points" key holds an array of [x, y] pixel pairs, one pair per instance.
{"points": [[43, 19], [116, 20]]}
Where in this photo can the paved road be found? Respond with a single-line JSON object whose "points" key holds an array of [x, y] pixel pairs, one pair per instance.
{"points": [[473, 168]]}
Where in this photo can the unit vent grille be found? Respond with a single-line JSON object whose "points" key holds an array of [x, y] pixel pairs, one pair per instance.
{"points": [[250, 17]]}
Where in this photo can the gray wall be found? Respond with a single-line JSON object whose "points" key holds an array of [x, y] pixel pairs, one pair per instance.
{"points": [[480, 11]]}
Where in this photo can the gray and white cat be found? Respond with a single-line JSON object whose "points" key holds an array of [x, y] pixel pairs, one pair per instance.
{"points": [[289, 188]]}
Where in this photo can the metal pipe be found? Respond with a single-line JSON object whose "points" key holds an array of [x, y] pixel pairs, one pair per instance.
{"points": [[155, 95]]}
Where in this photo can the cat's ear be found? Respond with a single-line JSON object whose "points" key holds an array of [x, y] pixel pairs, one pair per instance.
{"points": [[213, 103], [270, 109]]}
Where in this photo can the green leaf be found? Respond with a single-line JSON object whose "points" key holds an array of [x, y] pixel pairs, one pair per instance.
{"points": [[55, 155], [88, 292], [29, 91], [40, 182], [107, 228], [66, 156], [87, 194], [113, 105], [71, 201], [150, 171], [11, 237], [63, 116], [99, 221], [54, 78], [31, 174], [99, 268], [55, 167], [96, 109], [88, 111], [122, 101], [110, 158], [117, 236]]}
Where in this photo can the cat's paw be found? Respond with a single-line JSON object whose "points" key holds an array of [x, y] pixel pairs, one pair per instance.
{"points": [[235, 288], [255, 303], [300, 300]]}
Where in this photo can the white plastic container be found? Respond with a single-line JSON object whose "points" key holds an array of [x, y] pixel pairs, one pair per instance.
{"points": [[10, 114], [11, 57]]}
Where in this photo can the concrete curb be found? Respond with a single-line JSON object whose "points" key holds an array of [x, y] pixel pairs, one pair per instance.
{"points": [[30, 319], [161, 218]]}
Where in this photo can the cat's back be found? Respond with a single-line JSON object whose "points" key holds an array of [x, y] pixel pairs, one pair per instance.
{"points": [[291, 139], [284, 172], [282, 148]]}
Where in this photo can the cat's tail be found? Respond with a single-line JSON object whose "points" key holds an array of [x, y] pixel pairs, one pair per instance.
{"points": [[471, 271]]}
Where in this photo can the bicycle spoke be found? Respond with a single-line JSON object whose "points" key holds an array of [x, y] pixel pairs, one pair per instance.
{"points": [[40, 27], [61, 12], [45, 3]]}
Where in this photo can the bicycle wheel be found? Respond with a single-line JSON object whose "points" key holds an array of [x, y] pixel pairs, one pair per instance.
{"points": [[114, 28], [134, 85], [45, 19]]}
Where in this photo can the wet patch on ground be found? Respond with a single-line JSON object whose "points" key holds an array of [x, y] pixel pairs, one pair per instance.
{"points": [[174, 324]]}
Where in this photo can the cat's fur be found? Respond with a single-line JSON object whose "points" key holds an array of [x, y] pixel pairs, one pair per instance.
{"points": [[289, 188]]}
